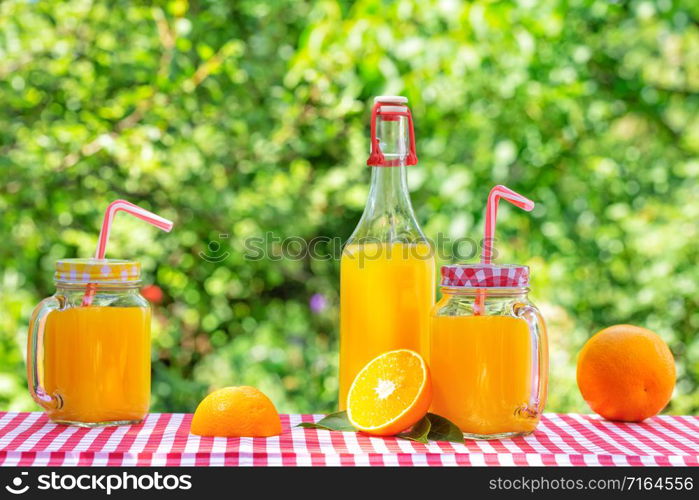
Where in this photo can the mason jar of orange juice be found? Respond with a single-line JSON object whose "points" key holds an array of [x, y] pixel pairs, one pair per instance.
{"points": [[89, 365], [488, 352]]}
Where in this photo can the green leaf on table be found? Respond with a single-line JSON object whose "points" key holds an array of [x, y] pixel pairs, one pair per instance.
{"points": [[333, 422], [444, 430], [431, 427], [418, 432]]}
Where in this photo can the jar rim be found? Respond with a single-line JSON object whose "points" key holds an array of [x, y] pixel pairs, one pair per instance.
{"points": [[502, 290], [98, 284]]}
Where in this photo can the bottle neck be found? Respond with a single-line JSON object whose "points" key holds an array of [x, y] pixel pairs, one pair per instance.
{"points": [[389, 184], [388, 190], [392, 134], [388, 216]]}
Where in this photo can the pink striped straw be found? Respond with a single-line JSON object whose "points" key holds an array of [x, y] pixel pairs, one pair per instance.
{"points": [[491, 215], [112, 209]]}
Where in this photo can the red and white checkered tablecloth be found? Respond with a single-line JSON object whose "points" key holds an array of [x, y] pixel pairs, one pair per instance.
{"points": [[164, 440]]}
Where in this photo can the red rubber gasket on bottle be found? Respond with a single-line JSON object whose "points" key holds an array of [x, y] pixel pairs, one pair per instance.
{"points": [[377, 158]]}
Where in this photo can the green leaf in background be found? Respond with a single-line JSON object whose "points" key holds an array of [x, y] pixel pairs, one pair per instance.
{"points": [[442, 429], [418, 432], [333, 422]]}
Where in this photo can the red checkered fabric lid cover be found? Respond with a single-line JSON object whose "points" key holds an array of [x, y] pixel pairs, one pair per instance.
{"points": [[485, 276]]}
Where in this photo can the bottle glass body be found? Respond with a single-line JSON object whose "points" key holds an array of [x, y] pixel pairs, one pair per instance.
{"points": [[387, 271]]}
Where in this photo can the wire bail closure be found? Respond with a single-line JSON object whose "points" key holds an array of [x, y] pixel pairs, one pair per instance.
{"points": [[376, 157]]}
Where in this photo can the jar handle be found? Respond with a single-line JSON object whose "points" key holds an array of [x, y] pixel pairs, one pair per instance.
{"points": [[540, 357], [35, 343]]}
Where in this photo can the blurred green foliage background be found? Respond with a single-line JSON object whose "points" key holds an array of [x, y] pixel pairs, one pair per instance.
{"points": [[246, 117]]}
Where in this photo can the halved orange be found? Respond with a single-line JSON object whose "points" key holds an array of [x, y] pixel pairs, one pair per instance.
{"points": [[391, 393], [236, 412]]}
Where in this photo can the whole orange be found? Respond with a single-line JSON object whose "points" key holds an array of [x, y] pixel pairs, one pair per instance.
{"points": [[626, 373], [236, 412]]}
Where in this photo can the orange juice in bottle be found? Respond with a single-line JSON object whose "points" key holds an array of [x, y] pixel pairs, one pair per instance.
{"points": [[387, 268]]}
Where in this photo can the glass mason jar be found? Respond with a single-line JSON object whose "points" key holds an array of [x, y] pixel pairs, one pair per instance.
{"points": [[488, 352], [88, 348]]}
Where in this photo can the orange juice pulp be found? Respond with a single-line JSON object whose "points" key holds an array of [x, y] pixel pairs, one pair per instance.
{"points": [[386, 293], [482, 373], [98, 360]]}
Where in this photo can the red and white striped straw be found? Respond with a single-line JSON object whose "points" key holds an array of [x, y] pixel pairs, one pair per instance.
{"points": [[491, 215], [136, 211], [112, 209]]}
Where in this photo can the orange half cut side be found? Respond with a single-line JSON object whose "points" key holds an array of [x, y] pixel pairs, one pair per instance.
{"points": [[391, 393]]}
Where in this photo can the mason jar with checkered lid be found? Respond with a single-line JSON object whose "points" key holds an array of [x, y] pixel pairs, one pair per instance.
{"points": [[88, 349], [488, 351]]}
